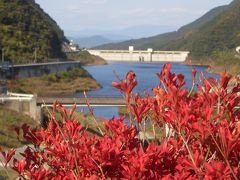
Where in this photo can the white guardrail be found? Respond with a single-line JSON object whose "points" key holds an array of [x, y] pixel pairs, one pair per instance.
{"points": [[19, 95], [238, 49], [16, 96], [3, 99]]}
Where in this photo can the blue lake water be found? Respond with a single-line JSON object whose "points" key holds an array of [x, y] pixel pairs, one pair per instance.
{"points": [[145, 75], [101, 112]]}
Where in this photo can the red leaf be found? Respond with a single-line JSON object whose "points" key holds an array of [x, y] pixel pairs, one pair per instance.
{"points": [[72, 110], [19, 165], [9, 156], [130, 76], [17, 131], [238, 126], [194, 71]]}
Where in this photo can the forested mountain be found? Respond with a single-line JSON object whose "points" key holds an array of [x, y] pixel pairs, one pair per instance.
{"points": [[211, 39], [220, 34], [26, 30]]}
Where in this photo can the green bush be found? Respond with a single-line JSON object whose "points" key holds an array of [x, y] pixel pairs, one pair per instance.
{"points": [[69, 74]]}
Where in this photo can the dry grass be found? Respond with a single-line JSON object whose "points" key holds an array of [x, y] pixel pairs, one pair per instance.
{"points": [[8, 121], [9, 175], [61, 83], [46, 88]]}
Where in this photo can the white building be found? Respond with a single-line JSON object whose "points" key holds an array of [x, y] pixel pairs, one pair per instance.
{"points": [[73, 47]]}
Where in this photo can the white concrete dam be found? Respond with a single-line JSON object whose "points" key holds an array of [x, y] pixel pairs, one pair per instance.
{"points": [[142, 56]]}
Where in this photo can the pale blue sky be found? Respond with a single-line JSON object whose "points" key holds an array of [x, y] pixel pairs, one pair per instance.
{"points": [[102, 16]]}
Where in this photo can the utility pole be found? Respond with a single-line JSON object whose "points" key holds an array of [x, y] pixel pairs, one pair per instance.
{"points": [[35, 55], [2, 55]]}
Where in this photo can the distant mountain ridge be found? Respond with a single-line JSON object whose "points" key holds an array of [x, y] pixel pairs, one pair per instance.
{"points": [[211, 39], [27, 31], [91, 41], [158, 41]]}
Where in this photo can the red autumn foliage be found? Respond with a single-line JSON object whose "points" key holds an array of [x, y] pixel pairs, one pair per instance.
{"points": [[204, 142], [127, 84]]}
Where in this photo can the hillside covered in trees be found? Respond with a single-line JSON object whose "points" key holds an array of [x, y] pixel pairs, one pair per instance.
{"points": [[211, 39], [27, 31]]}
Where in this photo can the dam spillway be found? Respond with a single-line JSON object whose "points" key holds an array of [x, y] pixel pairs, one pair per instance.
{"points": [[148, 55]]}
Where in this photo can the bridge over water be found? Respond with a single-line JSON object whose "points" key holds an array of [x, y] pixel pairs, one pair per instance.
{"points": [[97, 101], [32, 105]]}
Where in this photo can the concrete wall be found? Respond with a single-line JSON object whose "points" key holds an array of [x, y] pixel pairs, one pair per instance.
{"points": [[3, 89], [31, 70], [29, 108], [146, 56]]}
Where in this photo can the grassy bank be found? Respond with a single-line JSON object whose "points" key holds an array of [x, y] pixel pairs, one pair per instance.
{"points": [[9, 120], [219, 61], [86, 58], [60, 83], [226, 60]]}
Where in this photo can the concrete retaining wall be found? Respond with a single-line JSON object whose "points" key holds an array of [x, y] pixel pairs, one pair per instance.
{"points": [[3, 89], [34, 70], [29, 108]]}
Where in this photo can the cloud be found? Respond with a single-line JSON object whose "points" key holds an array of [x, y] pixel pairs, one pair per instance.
{"points": [[154, 12], [88, 2], [96, 2], [85, 7], [112, 14]]}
